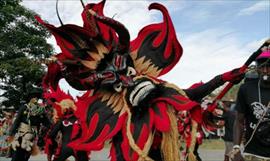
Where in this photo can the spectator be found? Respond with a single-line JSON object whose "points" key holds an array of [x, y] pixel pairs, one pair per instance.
{"points": [[253, 114], [229, 117]]}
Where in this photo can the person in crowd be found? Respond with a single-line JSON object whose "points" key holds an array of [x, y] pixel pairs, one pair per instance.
{"points": [[67, 124], [229, 117], [26, 126], [253, 114]]}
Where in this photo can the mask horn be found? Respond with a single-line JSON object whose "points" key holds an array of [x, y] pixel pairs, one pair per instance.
{"points": [[120, 29], [82, 4], [56, 7]]}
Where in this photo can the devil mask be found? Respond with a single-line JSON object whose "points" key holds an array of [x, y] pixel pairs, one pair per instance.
{"points": [[128, 102]]}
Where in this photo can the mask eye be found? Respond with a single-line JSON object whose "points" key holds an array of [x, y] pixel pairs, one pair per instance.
{"points": [[131, 71], [117, 87]]}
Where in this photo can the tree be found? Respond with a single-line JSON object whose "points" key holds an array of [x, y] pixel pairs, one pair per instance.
{"points": [[22, 44]]}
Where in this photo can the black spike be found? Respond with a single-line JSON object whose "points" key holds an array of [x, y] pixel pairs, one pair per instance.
{"points": [[56, 6]]}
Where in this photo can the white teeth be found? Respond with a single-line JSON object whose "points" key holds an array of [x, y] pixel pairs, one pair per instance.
{"points": [[140, 92]]}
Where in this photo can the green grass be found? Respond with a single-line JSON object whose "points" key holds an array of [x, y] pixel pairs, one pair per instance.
{"points": [[212, 144]]}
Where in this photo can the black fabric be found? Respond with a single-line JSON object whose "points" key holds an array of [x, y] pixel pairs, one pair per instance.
{"points": [[66, 131], [198, 93], [248, 104], [67, 152], [117, 140], [155, 154], [20, 155], [196, 153], [263, 132], [229, 117]]}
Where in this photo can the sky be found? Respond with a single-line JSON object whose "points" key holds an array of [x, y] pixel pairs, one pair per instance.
{"points": [[216, 35]]}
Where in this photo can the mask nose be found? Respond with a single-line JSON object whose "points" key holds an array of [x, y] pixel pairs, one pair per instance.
{"points": [[127, 81]]}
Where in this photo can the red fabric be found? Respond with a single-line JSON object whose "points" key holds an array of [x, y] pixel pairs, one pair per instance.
{"points": [[75, 131], [195, 85], [113, 153], [52, 76], [48, 146], [57, 96], [196, 114], [233, 75], [166, 33], [128, 153], [87, 131], [62, 43], [161, 120], [96, 27], [179, 102]]}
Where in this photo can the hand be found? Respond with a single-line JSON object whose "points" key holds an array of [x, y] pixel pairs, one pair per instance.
{"points": [[9, 139], [265, 45], [235, 155], [234, 76]]}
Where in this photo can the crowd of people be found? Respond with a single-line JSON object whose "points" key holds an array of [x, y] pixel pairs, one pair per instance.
{"points": [[24, 133], [26, 127]]}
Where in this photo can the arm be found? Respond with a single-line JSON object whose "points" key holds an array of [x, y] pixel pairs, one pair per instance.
{"points": [[17, 121], [54, 130], [233, 76], [238, 128], [240, 117], [51, 144], [196, 94]]}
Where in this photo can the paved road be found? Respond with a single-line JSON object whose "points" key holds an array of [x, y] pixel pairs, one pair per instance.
{"points": [[207, 155]]}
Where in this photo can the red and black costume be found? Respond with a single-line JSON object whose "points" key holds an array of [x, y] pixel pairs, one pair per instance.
{"points": [[129, 103], [67, 124]]}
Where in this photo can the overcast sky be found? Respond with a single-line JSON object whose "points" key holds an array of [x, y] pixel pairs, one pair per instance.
{"points": [[216, 36]]}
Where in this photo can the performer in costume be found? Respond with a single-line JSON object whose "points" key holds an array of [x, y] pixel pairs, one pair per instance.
{"points": [[66, 123], [26, 126], [130, 104]]}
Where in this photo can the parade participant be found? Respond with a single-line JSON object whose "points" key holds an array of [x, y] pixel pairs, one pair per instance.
{"points": [[229, 117], [6, 118], [67, 124], [129, 102], [26, 126], [253, 114]]}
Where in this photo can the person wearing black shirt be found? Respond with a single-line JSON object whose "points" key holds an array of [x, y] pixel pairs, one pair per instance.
{"points": [[253, 114]]}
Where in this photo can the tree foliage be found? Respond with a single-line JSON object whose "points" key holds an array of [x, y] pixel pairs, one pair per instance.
{"points": [[22, 44]]}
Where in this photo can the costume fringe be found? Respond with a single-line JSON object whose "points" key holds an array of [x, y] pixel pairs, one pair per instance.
{"points": [[191, 156], [170, 147], [143, 154]]}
